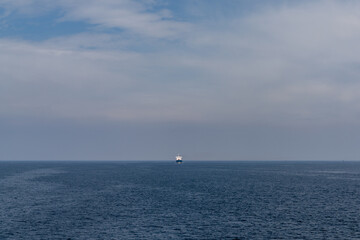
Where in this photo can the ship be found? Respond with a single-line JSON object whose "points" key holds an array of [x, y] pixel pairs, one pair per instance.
{"points": [[179, 159]]}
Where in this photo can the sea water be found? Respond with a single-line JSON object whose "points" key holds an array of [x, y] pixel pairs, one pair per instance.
{"points": [[195, 200]]}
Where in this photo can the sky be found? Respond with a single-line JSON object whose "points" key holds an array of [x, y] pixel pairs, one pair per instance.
{"points": [[209, 79]]}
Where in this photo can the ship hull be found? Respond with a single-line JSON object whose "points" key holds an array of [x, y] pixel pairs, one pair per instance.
{"points": [[179, 161]]}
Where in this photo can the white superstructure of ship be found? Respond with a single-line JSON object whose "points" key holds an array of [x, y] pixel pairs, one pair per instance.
{"points": [[179, 159]]}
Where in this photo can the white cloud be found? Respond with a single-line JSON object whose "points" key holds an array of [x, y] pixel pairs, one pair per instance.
{"points": [[286, 65], [47, 80], [133, 16], [127, 15], [304, 53]]}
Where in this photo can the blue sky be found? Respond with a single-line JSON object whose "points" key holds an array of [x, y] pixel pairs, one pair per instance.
{"points": [[146, 79]]}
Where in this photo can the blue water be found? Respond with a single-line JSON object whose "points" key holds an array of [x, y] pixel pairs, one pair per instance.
{"points": [[196, 200]]}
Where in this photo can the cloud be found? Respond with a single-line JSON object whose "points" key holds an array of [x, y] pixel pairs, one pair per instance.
{"points": [[127, 15], [50, 81], [277, 82], [288, 64], [137, 17], [296, 63]]}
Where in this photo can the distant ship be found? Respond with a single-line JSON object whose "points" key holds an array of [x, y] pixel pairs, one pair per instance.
{"points": [[178, 159]]}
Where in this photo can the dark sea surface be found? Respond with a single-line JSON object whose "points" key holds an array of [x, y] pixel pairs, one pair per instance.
{"points": [[195, 200]]}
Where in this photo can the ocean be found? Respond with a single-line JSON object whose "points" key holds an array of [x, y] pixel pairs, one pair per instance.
{"points": [[195, 200]]}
